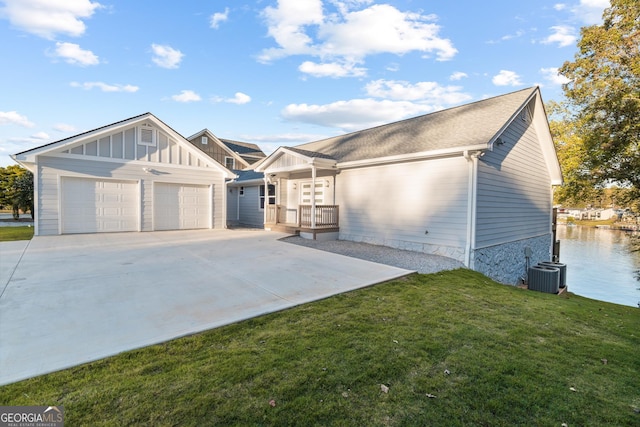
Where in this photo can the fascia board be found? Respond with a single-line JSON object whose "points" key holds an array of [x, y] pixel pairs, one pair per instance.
{"points": [[189, 147], [247, 182], [412, 156], [30, 155]]}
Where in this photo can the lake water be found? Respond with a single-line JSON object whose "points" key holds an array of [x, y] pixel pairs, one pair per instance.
{"points": [[599, 264]]}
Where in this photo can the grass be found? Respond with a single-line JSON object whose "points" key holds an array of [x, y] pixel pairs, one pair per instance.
{"points": [[454, 349], [8, 234]]}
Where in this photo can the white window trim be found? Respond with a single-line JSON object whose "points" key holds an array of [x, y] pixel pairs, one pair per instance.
{"points": [[154, 138], [204, 140], [266, 196], [233, 166], [241, 191]]}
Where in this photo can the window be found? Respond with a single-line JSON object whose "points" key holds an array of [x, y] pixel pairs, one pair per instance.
{"points": [[305, 195], [204, 140], [230, 162], [241, 191], [146, 135], [272, 195]]}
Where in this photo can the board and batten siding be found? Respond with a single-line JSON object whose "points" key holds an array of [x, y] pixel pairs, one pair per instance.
{"points": [[51, 169], [419, 205], [514, 188]]}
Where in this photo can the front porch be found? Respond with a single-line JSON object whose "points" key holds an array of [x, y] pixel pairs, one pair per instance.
{"points": [[302, 221]]}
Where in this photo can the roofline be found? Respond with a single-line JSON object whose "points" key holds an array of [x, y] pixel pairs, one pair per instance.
{"points": [[24, 157], [414, 117], [231, 153], [134, 118], [311, 161], [445, 152], [236, 183]]}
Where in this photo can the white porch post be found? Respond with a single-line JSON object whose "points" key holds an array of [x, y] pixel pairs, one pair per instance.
{"points": [[313, 197], [266, 199]]}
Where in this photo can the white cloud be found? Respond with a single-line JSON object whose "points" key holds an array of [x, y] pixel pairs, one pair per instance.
{"points": [[564, 35], [506, 78], [559, 6], [239, 98], [47, 18], [64, 127], [165, 56], [40, 136], [36, 138], [425, 92], [14, 118], [218, 17], [75, 55], [186, 96], [334, 69], [382, 28], [287, 24], [105, 87], [458, 75], [348, 36], [354, 114], [589, 12], [552, 75]]}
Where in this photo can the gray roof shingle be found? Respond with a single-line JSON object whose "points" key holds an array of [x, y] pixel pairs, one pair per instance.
{"points": [[467, 125]]}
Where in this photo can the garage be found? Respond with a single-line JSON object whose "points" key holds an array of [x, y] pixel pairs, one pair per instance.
{"points": [[136, 174], [99, 205], [181, 206]]}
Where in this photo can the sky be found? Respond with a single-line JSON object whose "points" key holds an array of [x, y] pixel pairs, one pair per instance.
{"points": [[275, 73]]}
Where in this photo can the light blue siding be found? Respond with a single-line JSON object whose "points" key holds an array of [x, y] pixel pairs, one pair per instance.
{"points": [[250, 213], [514, 188]]}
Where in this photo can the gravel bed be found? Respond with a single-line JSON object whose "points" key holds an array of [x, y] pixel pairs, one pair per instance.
{"points": [[409, 260]]}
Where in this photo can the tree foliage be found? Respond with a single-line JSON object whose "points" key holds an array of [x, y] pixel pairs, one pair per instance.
{"points": [[16, 189], [604, 95]]}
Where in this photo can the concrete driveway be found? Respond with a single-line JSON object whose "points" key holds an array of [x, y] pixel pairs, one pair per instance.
{"points": [[67, 300]]}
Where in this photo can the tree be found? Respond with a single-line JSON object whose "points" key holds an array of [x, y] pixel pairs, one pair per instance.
{"points": [[16, 189], [604, 94], [577, 190]]}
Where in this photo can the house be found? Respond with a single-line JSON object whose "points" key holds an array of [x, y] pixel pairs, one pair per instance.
{"points": [[473, 183], [134, 175], [231, 154]]}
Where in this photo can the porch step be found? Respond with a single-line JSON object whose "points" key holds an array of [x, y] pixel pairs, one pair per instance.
{"points": [[283, 228]]}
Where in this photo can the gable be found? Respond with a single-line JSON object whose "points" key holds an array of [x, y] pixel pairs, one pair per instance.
{"points": [[142, 139], [215, 148]]}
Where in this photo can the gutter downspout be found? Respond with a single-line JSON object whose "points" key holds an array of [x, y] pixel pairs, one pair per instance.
{"points": [[313, 197], [472, 160]]}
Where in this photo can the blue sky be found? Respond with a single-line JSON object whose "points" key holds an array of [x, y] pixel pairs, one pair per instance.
{"points": [[269, 72]]}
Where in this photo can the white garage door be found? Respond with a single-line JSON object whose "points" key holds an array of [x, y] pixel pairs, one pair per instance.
{"points": [[180, 206], [99, 206]]}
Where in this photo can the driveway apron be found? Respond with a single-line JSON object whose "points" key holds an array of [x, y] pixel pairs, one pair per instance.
{"points": [[67, 300]]}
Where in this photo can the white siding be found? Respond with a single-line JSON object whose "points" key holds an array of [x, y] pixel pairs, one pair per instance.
{"points": [[417, 205], [122, 145], [51, 169], [514, 189]]}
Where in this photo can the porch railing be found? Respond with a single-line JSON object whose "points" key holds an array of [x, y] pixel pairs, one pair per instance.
{"points": [[326, 216]]}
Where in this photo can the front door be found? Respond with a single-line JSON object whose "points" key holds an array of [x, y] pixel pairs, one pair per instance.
{"points": [[305, 194]]}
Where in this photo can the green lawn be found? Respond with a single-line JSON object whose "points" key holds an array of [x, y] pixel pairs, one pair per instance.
{"points": [[454, 349], [15, 233]]}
